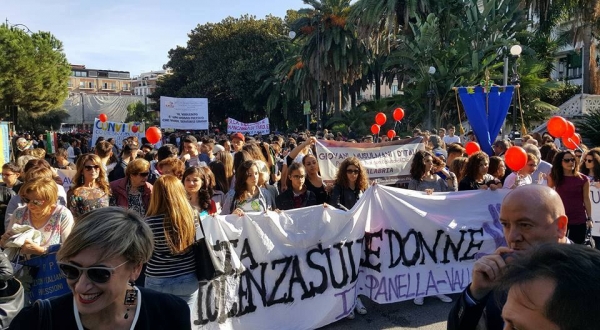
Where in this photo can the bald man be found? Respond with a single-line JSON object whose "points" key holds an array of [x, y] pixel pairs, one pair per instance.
{"points": [[531, 215]]}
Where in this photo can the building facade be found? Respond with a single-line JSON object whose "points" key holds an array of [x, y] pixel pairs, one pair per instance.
{"points": [[145, 83], [95, 81]]}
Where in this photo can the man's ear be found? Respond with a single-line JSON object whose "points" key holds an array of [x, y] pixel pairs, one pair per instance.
{"points": [[563, 221]]}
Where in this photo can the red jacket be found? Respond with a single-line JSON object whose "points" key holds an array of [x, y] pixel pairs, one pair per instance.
{"points": [[119, 191]]}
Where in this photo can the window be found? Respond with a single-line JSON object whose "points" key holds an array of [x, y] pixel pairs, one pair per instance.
{"points": [[113, 86], [394, 89], [125, 87], [81, 84], [93, 74], [105, 86], [69, 84], [90, 85]]}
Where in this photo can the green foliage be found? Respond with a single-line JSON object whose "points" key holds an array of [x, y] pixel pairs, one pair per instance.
{"points": [[227, 63], [561, 94], [34, 71], [38, 122], [589, 127], [138, 112]]}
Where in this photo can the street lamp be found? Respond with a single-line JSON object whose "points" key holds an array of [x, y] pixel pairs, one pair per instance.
{"points": [[82, 112], [516, 52], [430, 95]]}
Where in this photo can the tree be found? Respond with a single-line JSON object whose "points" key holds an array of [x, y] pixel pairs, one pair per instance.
{"points": [[589, 126], [227, 63], [34, 71], [139, 113], [38, 122]]}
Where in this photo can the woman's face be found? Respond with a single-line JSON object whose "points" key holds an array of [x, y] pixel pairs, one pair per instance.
{"points": [[35, 203], [530, 167], [92, 297], [589, 162], [428, 162], [138, 179], [484, 166], [297, 177], [91, 171], [501, 170], [568, 162], [311, 165], [192, 183], [352, 172], [9, 177], [252, 176]]}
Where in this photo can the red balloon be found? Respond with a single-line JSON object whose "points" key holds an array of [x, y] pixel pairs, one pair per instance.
{"points": [[375, 129], [515, 158], [398, 114], [380, 119], [134, 129], [570, 131], [153, 134], [472, 147], [391, 134], [557, 126], [571, 142], [103, 117]]}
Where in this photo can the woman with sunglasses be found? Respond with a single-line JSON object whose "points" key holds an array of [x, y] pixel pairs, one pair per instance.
{"points": [[591, 166], [43, 213], [101, 260], [350, 183], [574, 190], [133, 191], [90, 189], [171, 269], [247, 196], [422, 171], [297, 195]]}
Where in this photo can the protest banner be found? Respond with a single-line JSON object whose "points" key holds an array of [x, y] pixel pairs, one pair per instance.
{"points": [[117, 131], [4, 143], [66, 177], [389, 162], [183, 113], [48, 282], [281, 267], [259, 127], [595, 199]]}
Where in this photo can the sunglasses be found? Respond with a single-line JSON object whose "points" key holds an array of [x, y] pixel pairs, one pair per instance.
{"points": [[91, 167], [297, 177], [36, 202], [569, 160], [352, 171], [95, 274], [142, 174], [589, 160]]}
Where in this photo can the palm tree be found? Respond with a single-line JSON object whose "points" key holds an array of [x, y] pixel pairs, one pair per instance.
{"points": [[331, 52]]}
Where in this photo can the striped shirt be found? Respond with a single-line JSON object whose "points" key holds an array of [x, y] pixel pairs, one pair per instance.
{"points": [[163, 263]]}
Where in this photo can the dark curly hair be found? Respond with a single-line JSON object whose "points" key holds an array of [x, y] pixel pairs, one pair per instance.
{"points": [[595, 154], [342, 177], [417, 167], [206, 191], [475, 160], [557, 173]]}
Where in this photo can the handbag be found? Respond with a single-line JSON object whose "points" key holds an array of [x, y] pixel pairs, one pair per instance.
{"points": [[589, 240], [208, 266]]}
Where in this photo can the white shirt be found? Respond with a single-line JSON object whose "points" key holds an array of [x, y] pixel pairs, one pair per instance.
{"points": [[451, 139]]}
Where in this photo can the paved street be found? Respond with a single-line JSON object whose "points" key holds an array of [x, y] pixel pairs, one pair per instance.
{"points": [[404, 315]]}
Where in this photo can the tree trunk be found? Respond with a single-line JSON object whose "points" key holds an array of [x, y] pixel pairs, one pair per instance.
{"points": [[587, 64], [337, 99], [353, 89], [377, 86]]}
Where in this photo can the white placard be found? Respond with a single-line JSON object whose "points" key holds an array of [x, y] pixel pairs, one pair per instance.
{"points": [[183, 113], [259, 127]]}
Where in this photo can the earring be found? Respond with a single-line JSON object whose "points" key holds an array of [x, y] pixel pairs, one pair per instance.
{"points": [[131, 296]]}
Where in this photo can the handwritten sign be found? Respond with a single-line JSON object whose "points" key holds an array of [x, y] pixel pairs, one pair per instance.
{"points": [[66, 176], [595, 199], [394, 245], [117, 130], [183, 113], [259, 127]]}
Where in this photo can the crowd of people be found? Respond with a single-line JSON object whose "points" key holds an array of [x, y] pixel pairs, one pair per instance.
{"points": [[161, 193]]}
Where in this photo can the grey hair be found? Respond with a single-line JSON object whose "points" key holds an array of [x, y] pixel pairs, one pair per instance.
{"points": [[533, 149], [114, 232], [436, 141]]}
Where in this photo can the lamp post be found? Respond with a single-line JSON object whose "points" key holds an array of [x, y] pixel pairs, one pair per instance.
{"points": [[515, 51], [82, 112], [430, 95]]}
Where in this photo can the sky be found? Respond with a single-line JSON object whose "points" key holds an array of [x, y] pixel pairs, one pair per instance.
{"points": [[129, 35]]}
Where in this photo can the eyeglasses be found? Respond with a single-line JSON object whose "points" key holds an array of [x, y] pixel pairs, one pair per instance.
{"points": [[589, 160], [36, 202], [142, 174], [297, 177], [95, 274], [352, 171], [8, 174], [568, 160], [91, 167]]}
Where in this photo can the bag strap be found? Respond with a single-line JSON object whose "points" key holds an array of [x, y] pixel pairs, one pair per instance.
{"points": [[45, 314]]}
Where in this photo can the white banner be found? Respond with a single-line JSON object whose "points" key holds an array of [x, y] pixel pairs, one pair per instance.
{"points": [[260, 127], [183, 113], [66, 176], [387, 161], [595, 198], [117, 131], [282, 267]]}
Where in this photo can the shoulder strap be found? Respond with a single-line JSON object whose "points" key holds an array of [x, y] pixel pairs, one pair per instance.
{"points": [[45, 314]]}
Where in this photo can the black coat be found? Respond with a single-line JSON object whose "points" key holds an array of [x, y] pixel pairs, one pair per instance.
{"points": [[285, 200], [465, 317]]}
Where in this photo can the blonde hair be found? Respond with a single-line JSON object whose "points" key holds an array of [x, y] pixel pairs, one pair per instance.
{"points": [[100, 180], [137, 165], [38, 172], [114, 232], [170, 199], [39, 153], [45, 188]]}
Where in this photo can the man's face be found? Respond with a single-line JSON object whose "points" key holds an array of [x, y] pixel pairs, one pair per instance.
{"points": [[237, 144], [9, 177], [526, 303], [205, 149], [528, 222], [451, 131], [190, 148]]}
